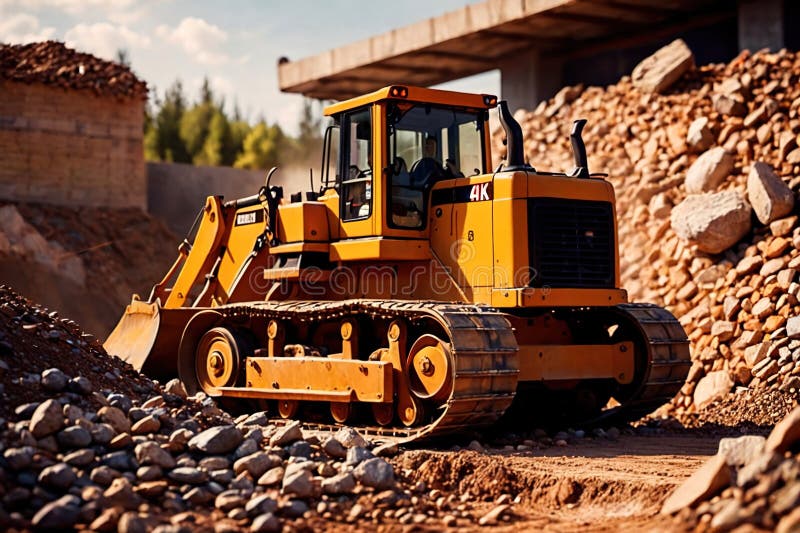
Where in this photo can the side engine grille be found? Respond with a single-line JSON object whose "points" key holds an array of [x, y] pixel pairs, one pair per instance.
{"points": [[571, 243]]}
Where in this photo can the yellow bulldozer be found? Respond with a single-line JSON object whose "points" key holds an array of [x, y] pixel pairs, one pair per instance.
{"points": [[414, 292]]}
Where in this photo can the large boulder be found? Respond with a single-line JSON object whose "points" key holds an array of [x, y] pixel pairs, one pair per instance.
{"points": [[47, 419], [714, 222], [770, 197], [659, 71], [741, 450], [217, 440], [705, 482], [713, 386], [709, 170]]}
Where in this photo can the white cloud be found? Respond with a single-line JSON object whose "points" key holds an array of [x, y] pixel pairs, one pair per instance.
{"points": [[222, 85], [104, 39], [198, 38], [117, 11], [74, 7], [23, 28]]}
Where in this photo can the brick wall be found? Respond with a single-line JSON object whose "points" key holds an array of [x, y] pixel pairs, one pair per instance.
{"points": [[70, 147]]}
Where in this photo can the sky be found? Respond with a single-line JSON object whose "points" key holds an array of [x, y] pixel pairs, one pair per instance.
{"points": [[235, 44]]}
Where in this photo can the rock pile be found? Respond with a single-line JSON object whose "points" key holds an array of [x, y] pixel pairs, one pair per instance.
{"points": [[751, 480], [53, 63], [706, 171], [86, 442], [42, 354]]}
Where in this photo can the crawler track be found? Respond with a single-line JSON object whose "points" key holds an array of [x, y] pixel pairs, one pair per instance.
{"points": [[668, 361], [485, 355], [483, 346]]}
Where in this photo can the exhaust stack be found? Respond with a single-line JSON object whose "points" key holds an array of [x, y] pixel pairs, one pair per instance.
{"points": [[581, 169], [515, 157]]}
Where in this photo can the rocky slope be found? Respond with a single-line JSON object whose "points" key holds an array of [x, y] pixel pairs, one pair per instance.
{"points": [[83, 262], [706, 172], [752, 481]]}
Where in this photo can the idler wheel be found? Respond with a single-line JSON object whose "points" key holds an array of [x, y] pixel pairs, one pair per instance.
{"points": [[341, 411], [288, 408], [217, 360], [430, 367]]}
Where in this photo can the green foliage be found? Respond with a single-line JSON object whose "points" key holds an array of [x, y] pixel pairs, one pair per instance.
{"points": [[204, 134], [262, 147], [195, 126], [162, 141]]}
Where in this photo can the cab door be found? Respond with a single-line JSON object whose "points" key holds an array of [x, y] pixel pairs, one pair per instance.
{"points": [[357, 173]]}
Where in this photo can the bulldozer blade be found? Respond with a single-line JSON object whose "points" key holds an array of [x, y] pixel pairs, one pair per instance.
{"points": [[148, 336]]}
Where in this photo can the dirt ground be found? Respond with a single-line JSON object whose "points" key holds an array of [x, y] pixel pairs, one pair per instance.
{"points": [[589, 485]]}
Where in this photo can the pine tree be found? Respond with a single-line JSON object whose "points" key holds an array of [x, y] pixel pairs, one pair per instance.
{"points": [[163, 141]]}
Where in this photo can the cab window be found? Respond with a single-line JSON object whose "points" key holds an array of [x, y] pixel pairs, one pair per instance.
{"points": [[428, 144], [356, 165], [330, 156]]}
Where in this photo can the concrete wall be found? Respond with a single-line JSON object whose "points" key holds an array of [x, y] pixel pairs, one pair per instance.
{"points": [[176, 192], [70, 147]]}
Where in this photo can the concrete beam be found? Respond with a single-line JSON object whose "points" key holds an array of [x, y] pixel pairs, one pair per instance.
{"points": [[481, 37], [529, 77], [761, 25]]}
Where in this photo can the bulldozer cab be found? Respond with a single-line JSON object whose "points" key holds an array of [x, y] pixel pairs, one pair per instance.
{"points": [[385, 152]]}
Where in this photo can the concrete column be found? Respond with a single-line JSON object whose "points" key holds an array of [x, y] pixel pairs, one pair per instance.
{"points": [[761, 25], [529, 77]]}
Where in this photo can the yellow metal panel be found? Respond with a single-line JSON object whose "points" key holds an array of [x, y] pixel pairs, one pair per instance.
{"points": [[511, 260], [511, 185], [379, 248], [303, 221], [547, 297], [310, 275], [202, 255], [505, 298], [462, 238], [287, 394], [330, 199], [415, 94], [299, 247], [365, 381], [239, 245], [379, 162], [570, 188], [549, 362]]}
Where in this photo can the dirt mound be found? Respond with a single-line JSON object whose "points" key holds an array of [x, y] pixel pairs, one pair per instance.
{"points": [[708, 133], [486, 479], [84, 262], [33, 339], [746, 409]]}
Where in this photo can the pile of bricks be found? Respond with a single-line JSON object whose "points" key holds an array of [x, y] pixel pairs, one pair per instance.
{"points": [[706, 171], [52, 63]]}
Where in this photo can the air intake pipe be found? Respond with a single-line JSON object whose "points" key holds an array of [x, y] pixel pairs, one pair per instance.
{"points": [[516, 156], [581, 169]]}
